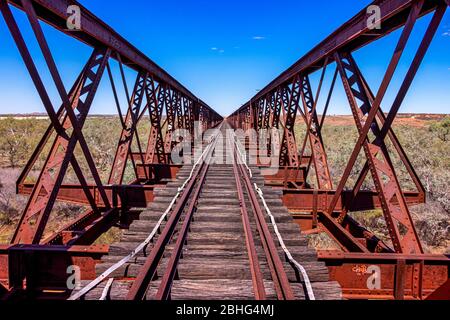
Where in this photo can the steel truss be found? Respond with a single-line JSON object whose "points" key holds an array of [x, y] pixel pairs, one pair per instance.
{"points": [[289, 99], [169, 106], [154, 92]]}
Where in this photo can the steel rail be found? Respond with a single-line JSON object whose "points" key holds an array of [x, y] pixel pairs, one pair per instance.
{"points": [[279, 276], [165, 288], [142, 247], [301, 270], [139, 288], [255, 267]]}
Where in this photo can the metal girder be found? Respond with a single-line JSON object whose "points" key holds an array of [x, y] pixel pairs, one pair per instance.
{"points": [[46, 266], [156, 98], [79, 100], [268, 101], [381, 168], [96, 33], [369, 116], [260, 114], [67, 122], [398, 218], [391, 187], [400, 276], [302, 200], [180, 115], [289, 150], [171, 101], [314, 135], [349, 37], [129, 131], [189, 116], [122, 197], [33, 221]]}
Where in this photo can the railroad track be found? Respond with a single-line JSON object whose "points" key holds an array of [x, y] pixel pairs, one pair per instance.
{"points": [[215, 233]]}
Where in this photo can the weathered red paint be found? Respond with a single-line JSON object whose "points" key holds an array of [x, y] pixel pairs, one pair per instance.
{"points": [[423, 274], [404, 275], [46, 266], [324, 209], [303, 200], [133, 195]]}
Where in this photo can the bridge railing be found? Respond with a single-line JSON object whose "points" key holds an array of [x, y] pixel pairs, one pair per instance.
{"points": [[290, 100], [156, 95]]}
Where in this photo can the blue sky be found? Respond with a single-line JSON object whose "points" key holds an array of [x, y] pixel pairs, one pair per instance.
{"points": [[224, 51]]}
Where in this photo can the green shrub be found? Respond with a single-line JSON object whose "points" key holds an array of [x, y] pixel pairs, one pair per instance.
{"points": [[442, 129]]}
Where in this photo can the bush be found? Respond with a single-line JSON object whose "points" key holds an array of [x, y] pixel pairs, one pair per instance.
{"points": [[428, 149], [10, 204], [18, 138], [442, 129]]}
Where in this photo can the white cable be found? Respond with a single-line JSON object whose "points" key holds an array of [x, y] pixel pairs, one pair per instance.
{"points": [[106, 290], [243, 158], [299, 267], [144, 244]]}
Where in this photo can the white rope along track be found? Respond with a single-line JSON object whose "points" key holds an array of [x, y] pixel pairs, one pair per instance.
{"points": [[298, 266], [106, 290], [243, 156], [144, 244]]}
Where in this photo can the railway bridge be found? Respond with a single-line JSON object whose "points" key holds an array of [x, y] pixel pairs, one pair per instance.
{"points": [[219, 208]]}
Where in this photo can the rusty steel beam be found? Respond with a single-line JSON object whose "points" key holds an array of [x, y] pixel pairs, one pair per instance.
{"points": [[387, 190], [157, 173], [45, 267], [155, 147], [153, 85], [96, 33], [366, 109], [398, 218], [34, 220], [314, 135], [289, 150], [122, 197], [350, 37], [301, 200], [129, 131], [84, 229], [388, 276]]}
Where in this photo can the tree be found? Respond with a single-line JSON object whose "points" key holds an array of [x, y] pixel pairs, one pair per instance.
{"points": [[18, 138], [442, 129], [6, 211]]}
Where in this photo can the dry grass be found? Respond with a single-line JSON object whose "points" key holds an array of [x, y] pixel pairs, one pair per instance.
{"points": [[426, 145], [428, 150]]}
